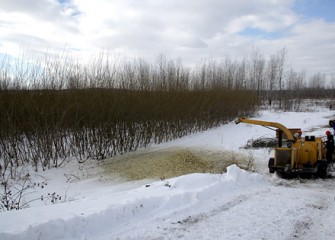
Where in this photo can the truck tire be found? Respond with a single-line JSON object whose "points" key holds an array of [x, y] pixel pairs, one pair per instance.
{"points": [[322, 168], [271, 165]]}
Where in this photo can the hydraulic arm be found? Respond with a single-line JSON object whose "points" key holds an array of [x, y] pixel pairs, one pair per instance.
{"points": [[268, 124]]}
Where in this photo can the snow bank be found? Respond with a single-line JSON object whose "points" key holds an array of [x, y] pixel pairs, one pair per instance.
{"points": [[241, 177], [112, 213]]}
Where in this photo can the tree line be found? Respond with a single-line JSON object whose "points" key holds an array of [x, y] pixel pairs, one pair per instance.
{"points": [[52, 114], [256, 72], [58, 109]]}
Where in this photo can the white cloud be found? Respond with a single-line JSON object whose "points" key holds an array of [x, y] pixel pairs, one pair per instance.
{"points": [[189, 29], [312, 47]]}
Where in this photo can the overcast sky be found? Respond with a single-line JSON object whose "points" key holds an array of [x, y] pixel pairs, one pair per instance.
{"points": [[188, 29]]}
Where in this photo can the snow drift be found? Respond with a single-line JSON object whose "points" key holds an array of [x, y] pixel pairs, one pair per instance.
{"points": [[92, 217]]}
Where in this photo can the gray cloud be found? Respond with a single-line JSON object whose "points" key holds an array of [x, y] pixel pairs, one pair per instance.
{"points": [[44, 10], [312, 47], [189, 29], [25, 39], [192, 23]]}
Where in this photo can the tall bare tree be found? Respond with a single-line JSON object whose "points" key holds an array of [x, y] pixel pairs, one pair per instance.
{"points": [[241, 75], [271, 76], [281, 62], [317, 83], [295, 87], [256, 72]]}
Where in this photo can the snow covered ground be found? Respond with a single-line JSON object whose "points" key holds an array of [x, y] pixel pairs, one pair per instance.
{"points": [[234, 205]]}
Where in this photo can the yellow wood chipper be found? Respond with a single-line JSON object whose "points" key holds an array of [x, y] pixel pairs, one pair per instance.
{"points": [[294, 155]]}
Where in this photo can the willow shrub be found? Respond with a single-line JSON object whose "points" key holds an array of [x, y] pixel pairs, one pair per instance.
{"points": [[46, 127]]}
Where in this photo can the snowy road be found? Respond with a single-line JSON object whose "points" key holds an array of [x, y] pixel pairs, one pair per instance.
{"points": [[276, 210]]}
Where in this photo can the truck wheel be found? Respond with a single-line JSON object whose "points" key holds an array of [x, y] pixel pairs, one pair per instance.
{"points": [[271, 165], [322, 168]]}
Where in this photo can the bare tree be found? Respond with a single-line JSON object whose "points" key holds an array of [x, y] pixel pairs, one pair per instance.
{"points": [[332, 80], [271, 76], [256, 72], [241, 76], [295, 87], [230, 69], [317, 83], [281, 62]]}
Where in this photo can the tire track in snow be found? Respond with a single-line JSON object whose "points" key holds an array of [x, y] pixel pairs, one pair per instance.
{"points": [[182, 228], [298, 217], [190, 220], [317, 223]]}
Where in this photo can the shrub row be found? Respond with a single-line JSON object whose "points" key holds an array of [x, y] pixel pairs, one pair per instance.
{"points": [[46, 127]]}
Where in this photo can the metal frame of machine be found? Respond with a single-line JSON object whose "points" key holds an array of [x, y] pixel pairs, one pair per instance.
{"points": [[300, 156]]}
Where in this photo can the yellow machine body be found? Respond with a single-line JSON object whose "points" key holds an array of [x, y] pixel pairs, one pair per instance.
{"points": [[294, 155]]}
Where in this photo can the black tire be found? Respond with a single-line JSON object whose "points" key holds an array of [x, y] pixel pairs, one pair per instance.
{"points": [[322, 168], [271, 165]]}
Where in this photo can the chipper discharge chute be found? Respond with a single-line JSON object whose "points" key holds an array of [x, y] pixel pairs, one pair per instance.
{"points": [[294, 155]]}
